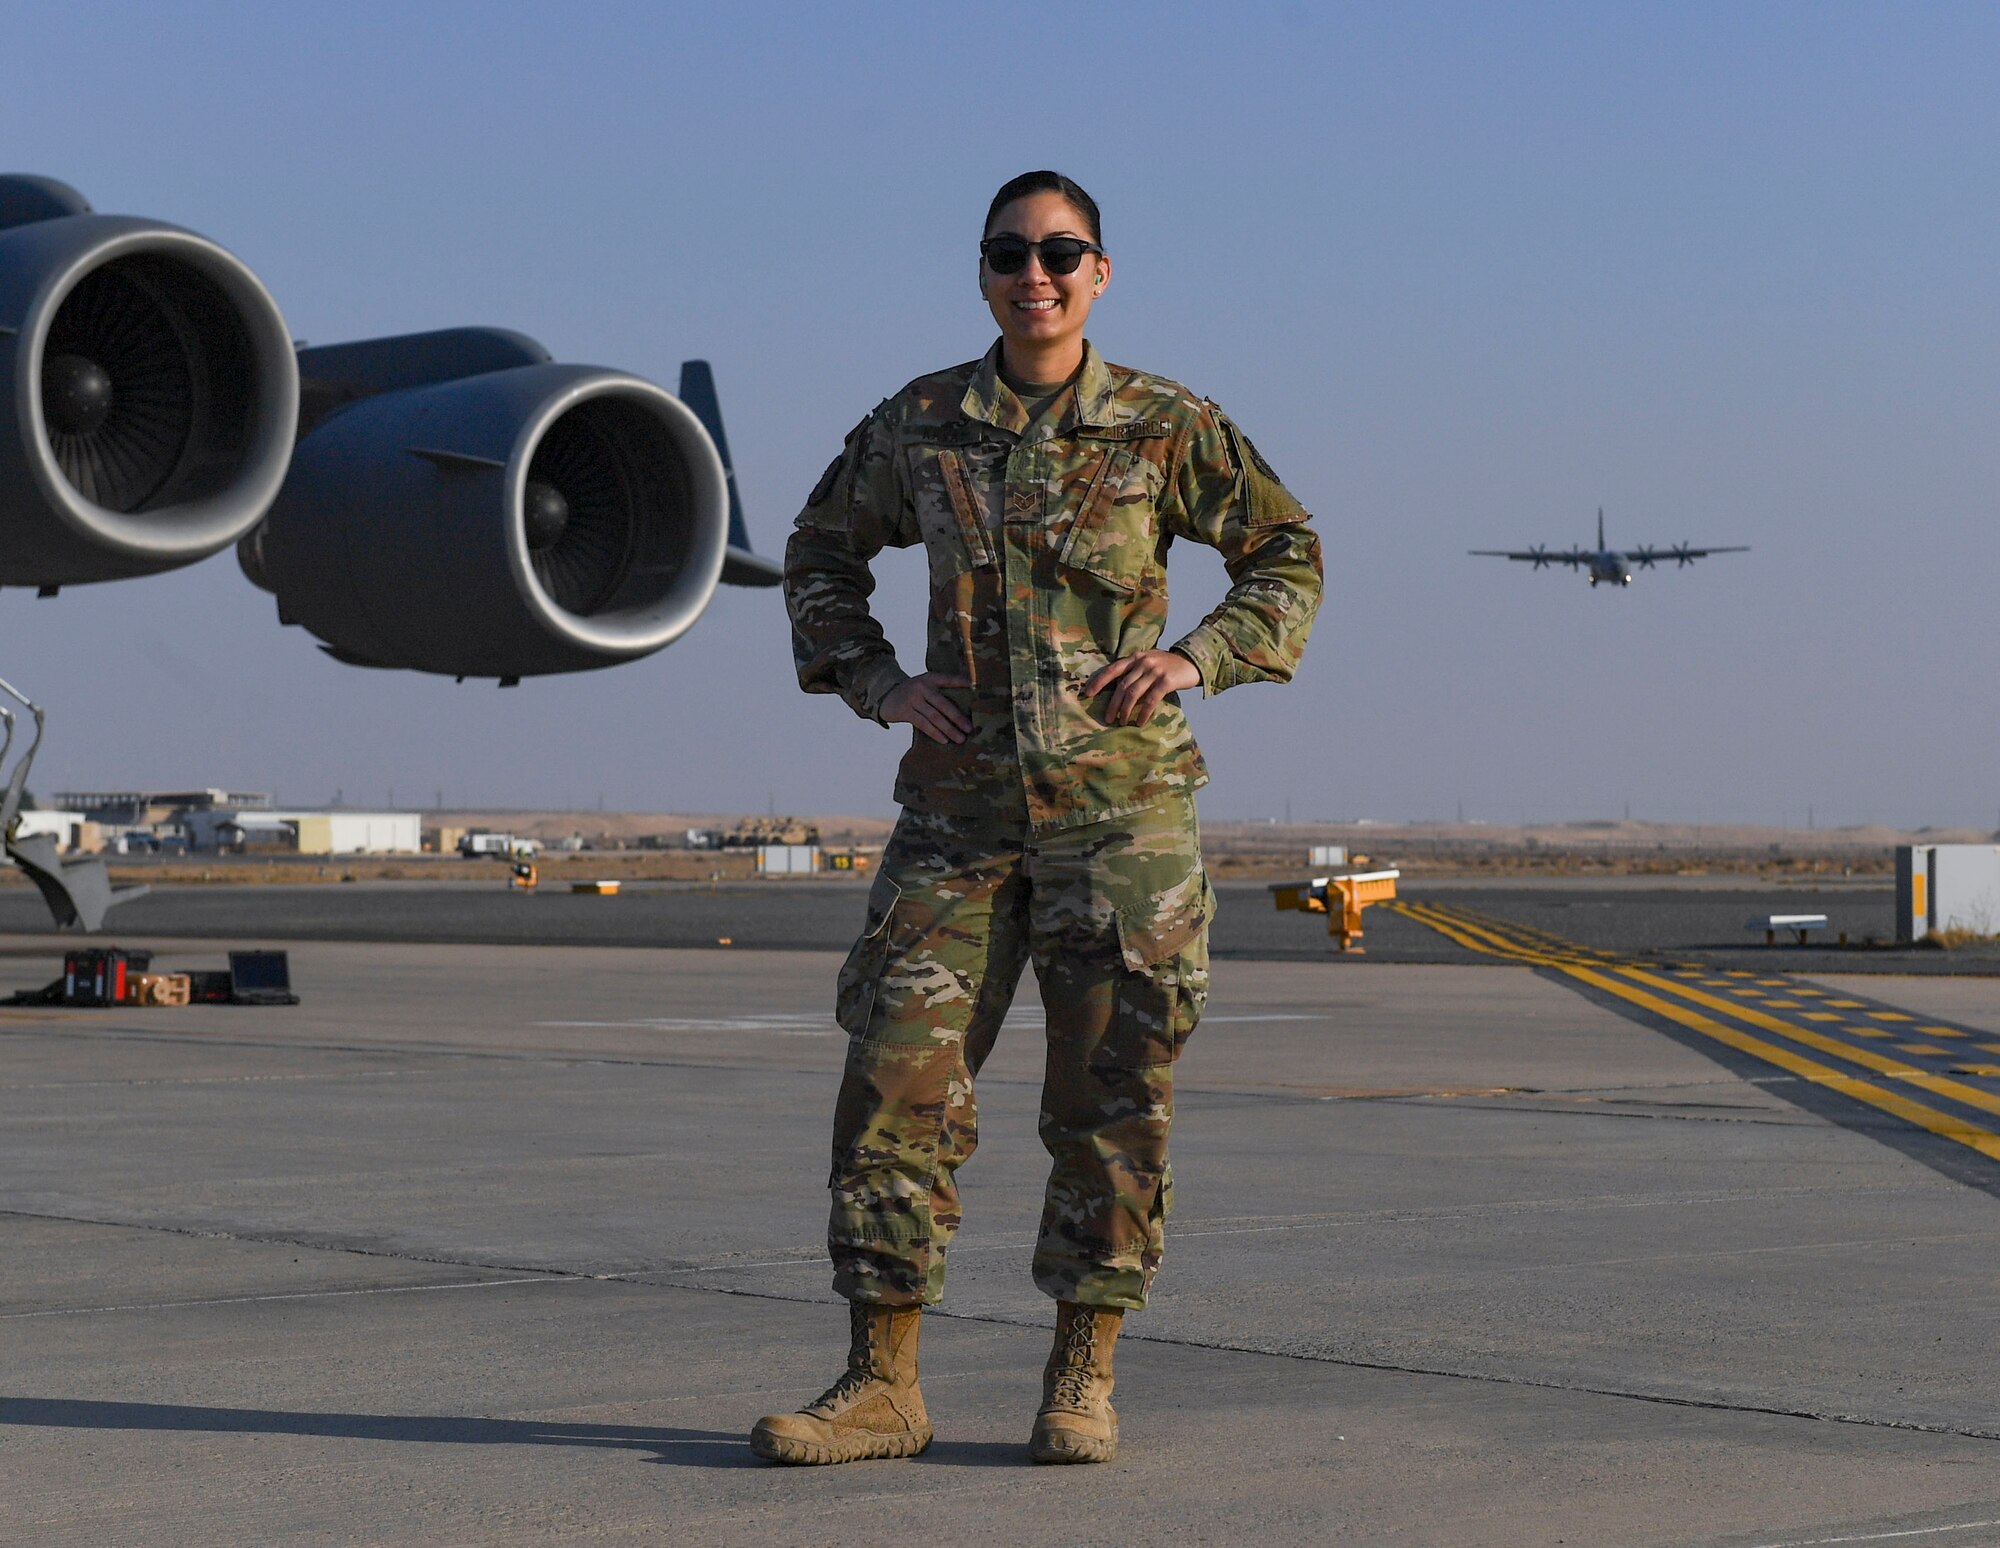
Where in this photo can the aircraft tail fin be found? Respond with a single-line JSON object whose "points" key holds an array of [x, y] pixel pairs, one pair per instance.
{"points": [[1600, 519], [741, 567]]}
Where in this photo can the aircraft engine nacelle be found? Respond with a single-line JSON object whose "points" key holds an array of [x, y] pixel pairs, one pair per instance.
{"points": [[512, 522], [153, 391]]}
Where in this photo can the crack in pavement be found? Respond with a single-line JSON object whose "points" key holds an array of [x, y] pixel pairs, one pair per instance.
{"points": [[1458, 1098], [541, 1274]]}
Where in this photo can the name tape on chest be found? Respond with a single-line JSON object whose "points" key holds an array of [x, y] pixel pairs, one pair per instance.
{"points": [[970, 432]]}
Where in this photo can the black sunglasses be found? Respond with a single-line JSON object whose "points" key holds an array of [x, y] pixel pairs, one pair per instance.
{"points": [[1059, 254]]}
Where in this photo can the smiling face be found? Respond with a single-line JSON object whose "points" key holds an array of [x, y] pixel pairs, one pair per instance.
{"points": [[1041, 315]]}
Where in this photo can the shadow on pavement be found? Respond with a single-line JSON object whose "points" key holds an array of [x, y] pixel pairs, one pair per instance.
{"points": [[681, 1448], [976, 1453]]}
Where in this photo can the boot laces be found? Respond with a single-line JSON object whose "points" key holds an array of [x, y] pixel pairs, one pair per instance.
{"points": [[865, 1357], [851, 1382], [1075, 1368]]}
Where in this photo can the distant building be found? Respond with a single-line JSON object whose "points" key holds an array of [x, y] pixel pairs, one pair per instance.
{"points": [[65, 827], [305, 833], [147, 808]]}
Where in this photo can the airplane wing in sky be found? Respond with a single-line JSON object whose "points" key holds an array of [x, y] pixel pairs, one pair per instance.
{"points": [[1685, 554], [1537, 556]]}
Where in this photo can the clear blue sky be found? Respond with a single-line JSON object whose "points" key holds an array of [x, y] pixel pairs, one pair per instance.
{"points": [[1466, 272]]}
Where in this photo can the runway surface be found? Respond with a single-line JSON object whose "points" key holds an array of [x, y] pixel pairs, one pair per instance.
{"points": [[511, 1244], [1704, 920]]}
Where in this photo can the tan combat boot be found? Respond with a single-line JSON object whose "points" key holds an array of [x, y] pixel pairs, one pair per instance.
{"points": [[874, 1410], [1077, 1422]]}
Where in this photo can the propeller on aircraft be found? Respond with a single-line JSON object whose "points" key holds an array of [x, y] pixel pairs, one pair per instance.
{"points": [[1603, 563]]}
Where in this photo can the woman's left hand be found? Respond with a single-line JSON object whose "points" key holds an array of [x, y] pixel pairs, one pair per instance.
{"points": [[1143, 681]]}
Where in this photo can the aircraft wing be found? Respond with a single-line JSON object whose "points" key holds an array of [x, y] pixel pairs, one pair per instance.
{"points": [[1682, 553], [1535, 556]]}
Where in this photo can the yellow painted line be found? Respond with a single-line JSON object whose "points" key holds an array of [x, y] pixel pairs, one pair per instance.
{"points": [[1752, 1015], [1867, 1058], [1501, 944], [1927, 1118], [1864, 1032], [1889, 1016], [1822, 1015], [1976, 1069], [1782, 1004], [1991, 1047], [1941, 1031], [1450, 930], [1477, 937], [1845, 1004], [1801, 989], [1773, 983], [1467, 934], [1424, 914], [1924, 1048]]}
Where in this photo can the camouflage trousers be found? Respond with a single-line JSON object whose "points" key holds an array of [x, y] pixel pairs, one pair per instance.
{"points": [[1114, 916]]}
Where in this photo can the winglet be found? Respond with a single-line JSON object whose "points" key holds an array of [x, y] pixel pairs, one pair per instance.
{"points": [[740, 567]]}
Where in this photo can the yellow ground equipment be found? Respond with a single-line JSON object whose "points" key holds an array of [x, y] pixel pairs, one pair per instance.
{"points": [[1340, 898]]}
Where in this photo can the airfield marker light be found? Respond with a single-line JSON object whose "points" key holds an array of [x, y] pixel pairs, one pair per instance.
{"points": [[1353, 891]]}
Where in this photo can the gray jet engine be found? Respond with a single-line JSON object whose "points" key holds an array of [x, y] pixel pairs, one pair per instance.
{"points": [[459, 504], [447, 502], [153, 388]]}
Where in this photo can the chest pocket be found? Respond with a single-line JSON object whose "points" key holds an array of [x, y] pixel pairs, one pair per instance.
{"points": [[949, 513], [1116, 536]]}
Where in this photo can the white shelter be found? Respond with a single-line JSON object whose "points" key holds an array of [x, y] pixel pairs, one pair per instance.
{"points": [[309, 833]]}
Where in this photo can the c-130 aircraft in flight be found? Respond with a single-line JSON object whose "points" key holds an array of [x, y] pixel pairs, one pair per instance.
{"points": [[1608, 564], [453, 502]]}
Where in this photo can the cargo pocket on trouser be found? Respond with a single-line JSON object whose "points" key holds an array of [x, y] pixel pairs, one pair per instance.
{"points": [[884, 1158], [854, 995], [1163, 983]]}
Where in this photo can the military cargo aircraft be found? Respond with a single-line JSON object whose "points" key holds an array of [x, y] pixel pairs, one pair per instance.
{"points": [[453, 502], [1607, 564]]}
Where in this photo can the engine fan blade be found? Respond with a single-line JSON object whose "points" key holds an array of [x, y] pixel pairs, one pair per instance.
{"points": [[582, 561], [118, 394]]}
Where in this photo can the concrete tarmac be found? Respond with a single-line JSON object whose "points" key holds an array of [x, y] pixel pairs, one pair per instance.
{"points": [[1702, 919], [511, 1244]]}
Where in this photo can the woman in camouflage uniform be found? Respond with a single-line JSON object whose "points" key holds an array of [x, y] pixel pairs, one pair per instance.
{"points": [[1048, 804]]}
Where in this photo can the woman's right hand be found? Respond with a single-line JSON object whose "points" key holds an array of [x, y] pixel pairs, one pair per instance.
{"points": [[921, 702]]}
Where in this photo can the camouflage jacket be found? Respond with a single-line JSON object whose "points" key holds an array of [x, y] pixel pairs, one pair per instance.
{"points": [[1048, 548]]}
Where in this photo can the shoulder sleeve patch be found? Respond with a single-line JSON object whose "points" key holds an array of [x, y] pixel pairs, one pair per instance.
{"points": [[830, 479], [1256, 457], [1271, 503], [826, 481]]}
